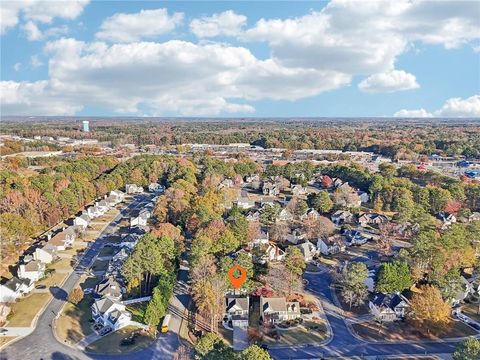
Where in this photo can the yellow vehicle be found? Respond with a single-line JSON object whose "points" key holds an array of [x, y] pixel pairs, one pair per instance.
{"points": [[165, 323]]}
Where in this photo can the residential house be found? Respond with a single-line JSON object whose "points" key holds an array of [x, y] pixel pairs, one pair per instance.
{"points": [[285, 215], [155, 187], [252, 178], [121, 255], [33, 270], [110, 313], [446, 218], [139, 220], [308, 250], [129, 241], [466, 289], [331, 245], [133, 189], [236, 311], [298, 190], [355, 237], [338, 182], [273, 253], [389, 307], [119, 195], [276, 310], [296, 236], [103, 206], [45, 254], [94, 212], [225, 183], [342, 216], [15, 288], [253, 215], [82, 221], [261, 238], [63, 239], [474, 217], [311, 213], [270, 188], [364, 197], [108, 287], [372, 219], [244, 202]]}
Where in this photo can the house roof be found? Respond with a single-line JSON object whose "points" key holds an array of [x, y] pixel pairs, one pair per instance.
{"points": [[104, 304], [240, 303], [34, 265], [15, 283], [273, 304], [388, 301], [108, 286]]}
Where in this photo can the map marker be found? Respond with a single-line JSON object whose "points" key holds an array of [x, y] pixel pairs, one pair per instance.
{"points": [[237, 281]]}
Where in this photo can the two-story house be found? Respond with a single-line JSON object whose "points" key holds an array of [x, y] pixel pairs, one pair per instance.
{"points": [[276, 310]]}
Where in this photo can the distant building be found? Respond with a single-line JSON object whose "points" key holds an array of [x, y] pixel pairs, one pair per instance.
{"points": [[86, 126]]}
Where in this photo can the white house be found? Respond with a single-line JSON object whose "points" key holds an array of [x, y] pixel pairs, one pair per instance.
{"points": [[276, 310], [110, 313], [45, 254], [140, 220], [82, 221], [389, 307], [236, 311], [118, 195], [331, 245], [244, 202], [270, 189], [33, 270], [298, 190], [103, 206], [253, 215], [285, 215], [155, 187], [364, 197], [133, 189], [109, 287], [94, 212], [273, 253], [14, 289], [372, 219], [297, 235], [63, 239], [310, 214], [308, 250], [262, 238]]}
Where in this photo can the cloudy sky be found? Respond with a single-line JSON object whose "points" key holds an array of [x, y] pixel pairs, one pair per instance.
{"points": [[337, 58]]}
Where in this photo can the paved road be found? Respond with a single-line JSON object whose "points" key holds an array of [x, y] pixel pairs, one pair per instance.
{"points": [[41, 344], [342, 342]]}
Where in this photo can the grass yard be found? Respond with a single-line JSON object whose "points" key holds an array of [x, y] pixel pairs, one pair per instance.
{"points": [[471, 310], [407, 331], [4, 340], [24, 310], [53, 279], [100, 265], [74, 322], [307, 333], [138, 311], [61, 264], [111, 343]]}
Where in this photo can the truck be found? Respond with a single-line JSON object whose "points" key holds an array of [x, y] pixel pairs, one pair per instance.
{"points": [[165, 323]]}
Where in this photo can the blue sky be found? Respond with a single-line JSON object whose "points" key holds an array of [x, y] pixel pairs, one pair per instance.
{"points": [[200, 58]]}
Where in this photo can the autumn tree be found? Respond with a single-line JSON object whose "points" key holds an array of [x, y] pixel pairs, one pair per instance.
{"points": [[345, 197], [428, 306], [76, 295]]}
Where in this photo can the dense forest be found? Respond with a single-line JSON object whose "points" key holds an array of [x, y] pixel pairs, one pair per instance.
{"points": [[405, 140]]}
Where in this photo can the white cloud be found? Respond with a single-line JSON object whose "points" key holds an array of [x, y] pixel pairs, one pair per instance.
{"points": [[226, 23], [35, 61], [420, 113], [453, 107], [32, 32], [365, 39], [175, 76], [133, 27], [457, 107], [395, 80], [17, 66], [38, 11]]}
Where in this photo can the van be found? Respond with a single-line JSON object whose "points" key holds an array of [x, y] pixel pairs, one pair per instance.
{"points": [[165, 323]]}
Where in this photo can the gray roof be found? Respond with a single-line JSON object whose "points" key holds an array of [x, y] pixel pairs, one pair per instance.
{"points": [[242, 303], [14, 283]]}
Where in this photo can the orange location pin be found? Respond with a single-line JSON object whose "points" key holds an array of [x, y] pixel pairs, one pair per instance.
{"points": [[237, 281]]}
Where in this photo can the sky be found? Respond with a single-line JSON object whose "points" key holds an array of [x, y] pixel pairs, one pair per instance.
{"points": [[339, 58]]}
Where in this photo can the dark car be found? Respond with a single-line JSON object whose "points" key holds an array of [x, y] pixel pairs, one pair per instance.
{"points": [[40, 287]]}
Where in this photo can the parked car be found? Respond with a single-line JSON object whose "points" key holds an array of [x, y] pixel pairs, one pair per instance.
{"points": [[40, 287]]}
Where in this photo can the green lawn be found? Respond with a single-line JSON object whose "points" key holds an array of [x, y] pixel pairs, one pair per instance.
{"points": [[24, 310], [138, 311], [75, 321], [111, 343]]}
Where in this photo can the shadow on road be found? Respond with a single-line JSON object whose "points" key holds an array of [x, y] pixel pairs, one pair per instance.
{"points": [[58, 293]]}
